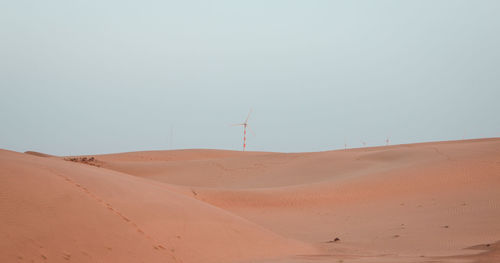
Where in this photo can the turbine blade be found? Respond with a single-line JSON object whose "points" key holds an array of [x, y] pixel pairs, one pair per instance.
{"points": [[248, 117], [250, 130]]}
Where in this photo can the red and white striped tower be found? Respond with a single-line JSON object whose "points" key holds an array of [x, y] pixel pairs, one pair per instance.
{"points": [[245, 125], [244, 136]]}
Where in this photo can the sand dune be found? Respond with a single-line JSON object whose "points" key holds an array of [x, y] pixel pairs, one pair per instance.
{"points": [[39, 154], [56, 210], [429, 202]]}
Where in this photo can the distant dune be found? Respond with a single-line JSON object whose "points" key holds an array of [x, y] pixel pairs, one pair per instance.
{"points": [[39, 154], [429, 202]]}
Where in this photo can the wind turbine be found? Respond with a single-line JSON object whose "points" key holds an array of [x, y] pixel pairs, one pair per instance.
{"points": [[245, 125]]}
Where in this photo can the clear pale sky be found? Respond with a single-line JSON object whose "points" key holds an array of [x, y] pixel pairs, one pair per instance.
{"points": [[84, 77]]}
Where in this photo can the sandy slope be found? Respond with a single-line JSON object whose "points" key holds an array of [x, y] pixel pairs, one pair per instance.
{"points": [[55, 211], [409, 203]]}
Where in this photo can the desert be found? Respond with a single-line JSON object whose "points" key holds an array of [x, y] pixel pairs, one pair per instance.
{"points": [[424, 202], [224, 131]]}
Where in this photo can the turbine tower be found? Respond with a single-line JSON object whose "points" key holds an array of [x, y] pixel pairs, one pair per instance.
{"points": [[245, 125]]}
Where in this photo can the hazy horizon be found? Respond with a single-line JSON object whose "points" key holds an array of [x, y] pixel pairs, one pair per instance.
{"points": [[89, 77]]}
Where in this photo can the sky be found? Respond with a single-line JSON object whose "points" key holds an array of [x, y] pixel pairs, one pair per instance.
{"points": [[89, 77]]}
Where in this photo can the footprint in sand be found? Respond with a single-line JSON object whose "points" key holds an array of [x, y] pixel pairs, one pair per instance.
{"points": [[67, 256]]}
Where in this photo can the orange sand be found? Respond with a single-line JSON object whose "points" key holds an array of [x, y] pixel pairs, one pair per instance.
{"points": [[429, 202]]}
